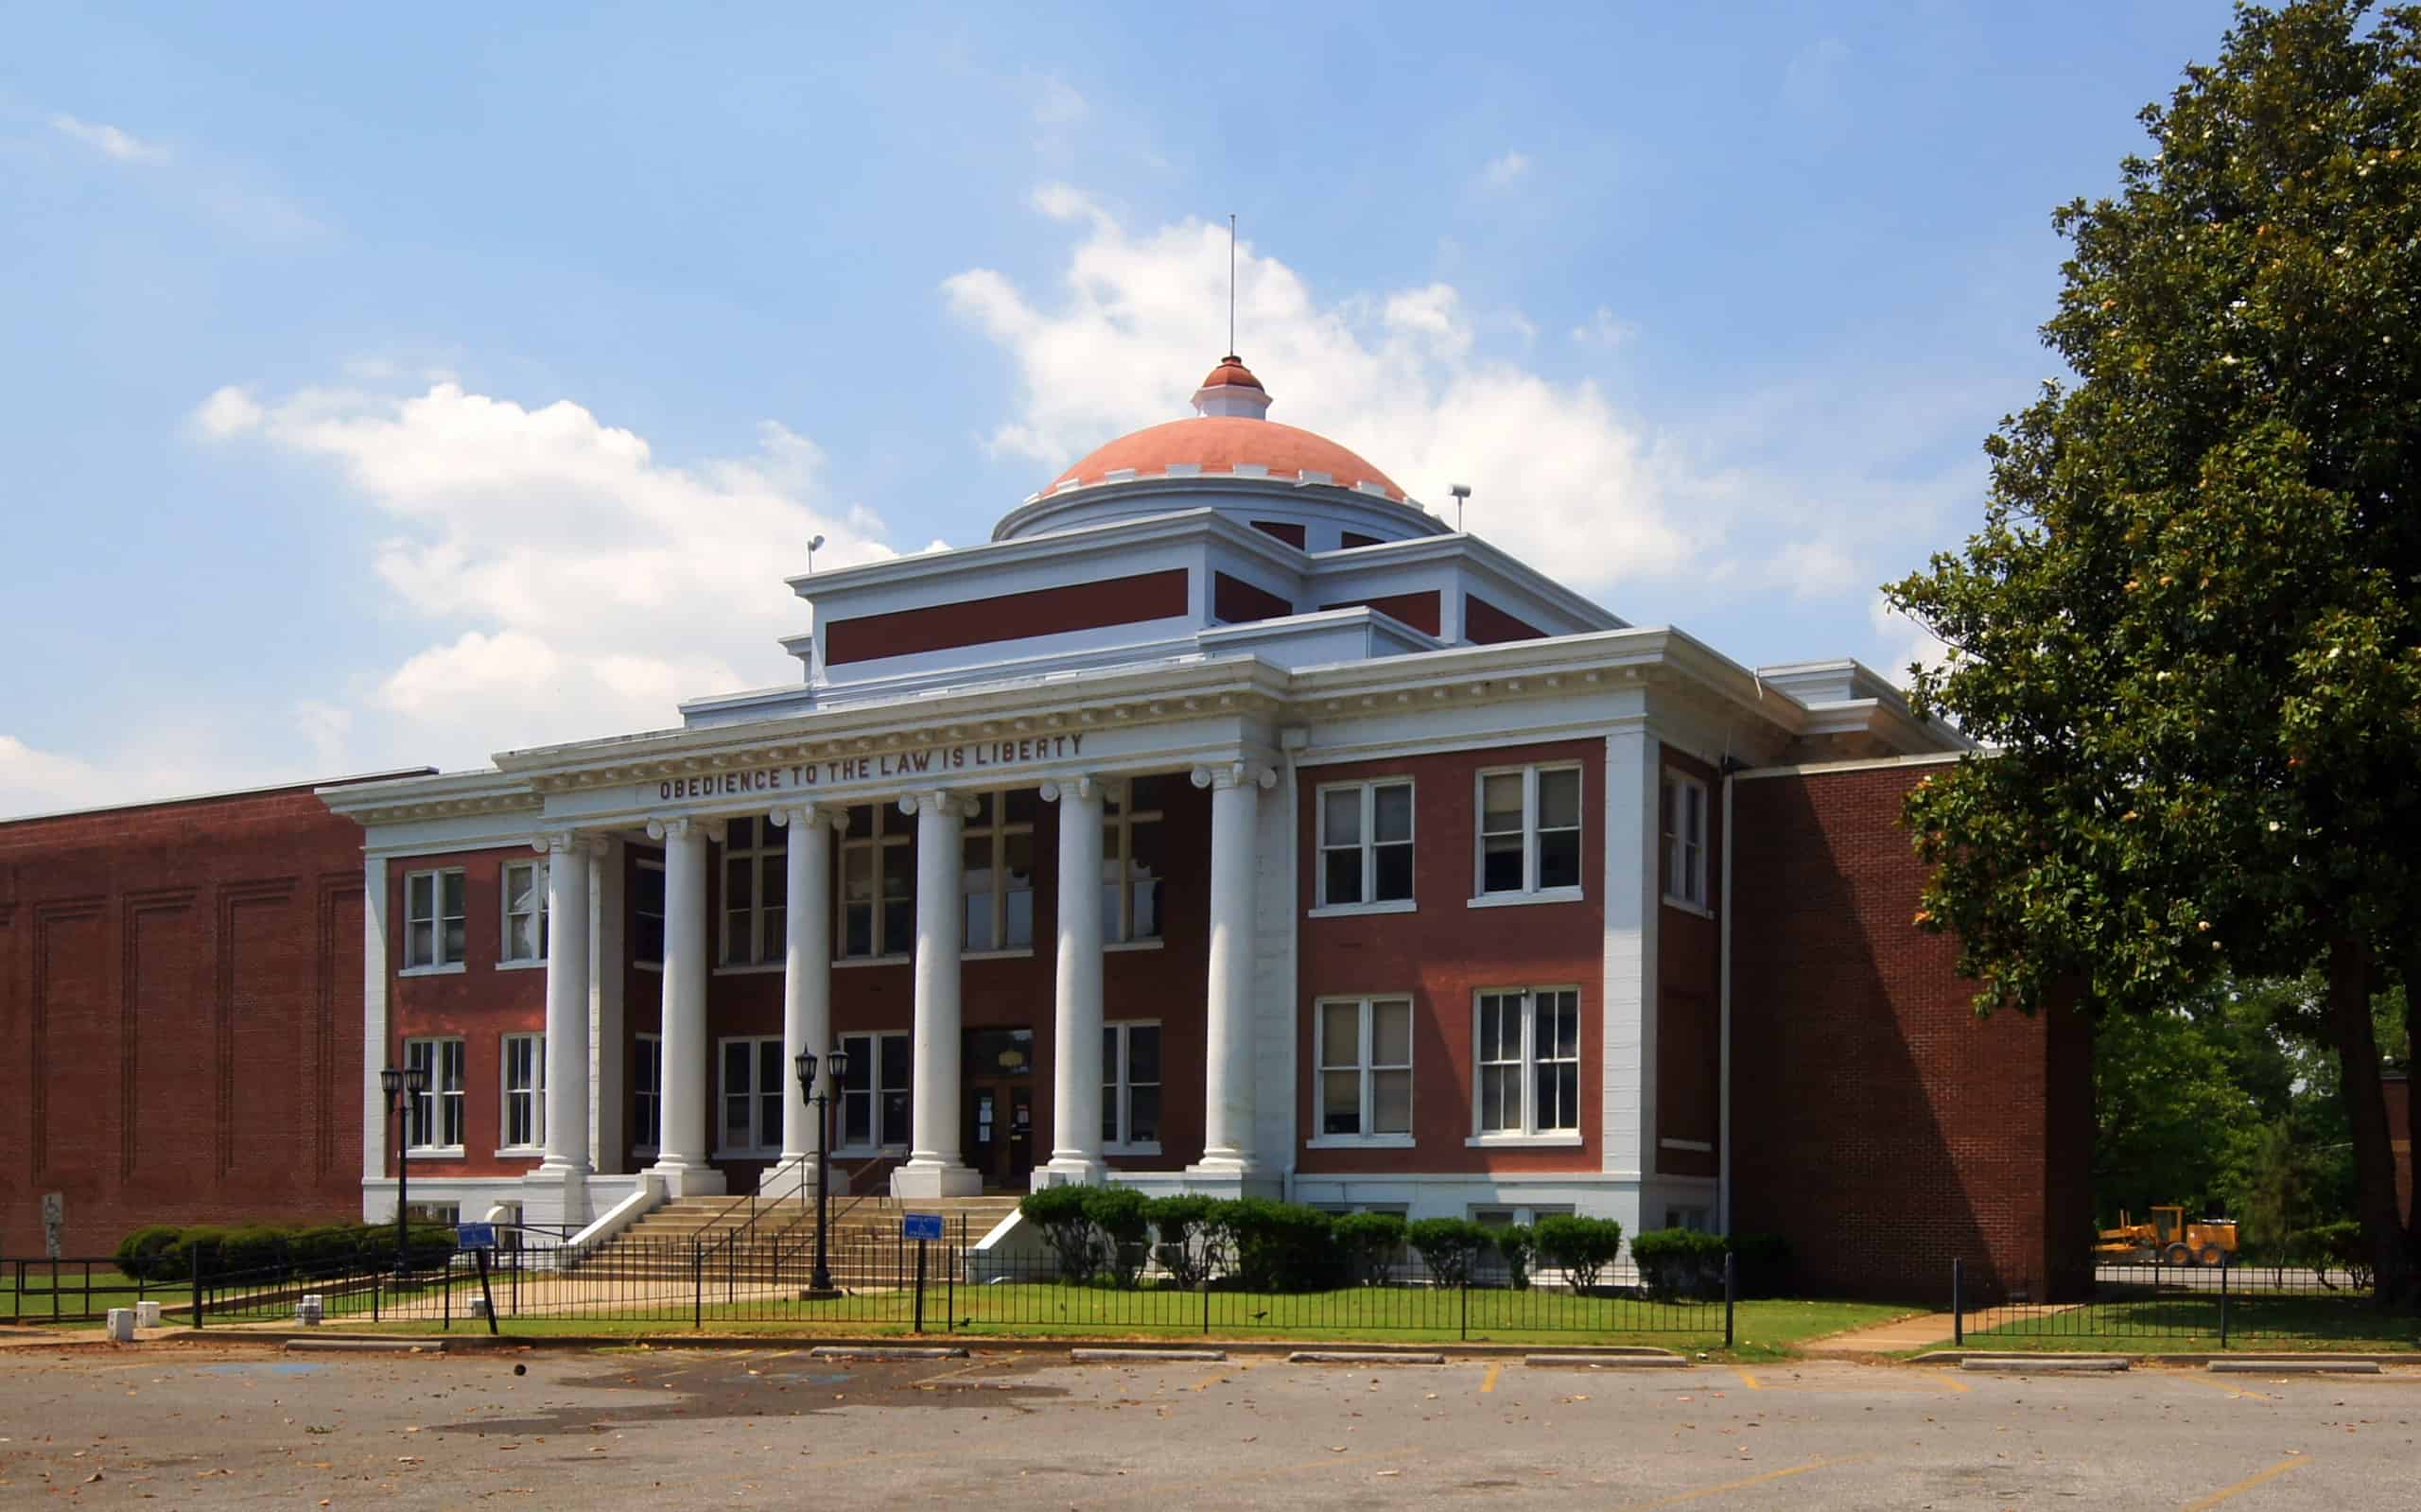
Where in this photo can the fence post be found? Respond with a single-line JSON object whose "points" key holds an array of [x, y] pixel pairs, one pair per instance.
{"points": [[378, 1286], [1206, 1298], [486, 1295], [1958, 1307], [1466, 1324], [1730, 1294], [445, 1284], [2223, 1300], [950, 1281], [193, 1252], [920, 1286], [697, 1285]]}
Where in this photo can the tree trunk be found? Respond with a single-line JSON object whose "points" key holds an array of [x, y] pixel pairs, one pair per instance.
{"points": [[2412, 1104], [2348, 1007]]}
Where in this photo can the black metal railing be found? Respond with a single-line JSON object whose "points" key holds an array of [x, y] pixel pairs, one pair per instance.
{"points": [[68, 1290], [2187, 1308]]}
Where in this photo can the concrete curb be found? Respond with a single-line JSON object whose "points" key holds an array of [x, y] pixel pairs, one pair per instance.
{"points": [[865, 1351], [1363, 1357], [2045, 1364], [1111, 1357], [2294, 1367], [1599, 1361], [358, 1346], [1952, 1357]]}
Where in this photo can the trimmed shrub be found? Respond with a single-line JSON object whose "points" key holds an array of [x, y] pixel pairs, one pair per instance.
{"points": [[1067, 1228], [1517, 1242], [1370, 1242], [138, 1253], [1449, 1247], [1677, 1262], [168, 1253], [1118, 1212], [1582, 1248], [1277, 1246], [2339, 1245], [1184, 1248]]}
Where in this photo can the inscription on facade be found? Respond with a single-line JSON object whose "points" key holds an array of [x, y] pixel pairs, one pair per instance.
{"points": [[932, 760]]}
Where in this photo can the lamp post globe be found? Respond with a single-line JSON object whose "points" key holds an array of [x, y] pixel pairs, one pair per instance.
{"points": [[836, 1065]]}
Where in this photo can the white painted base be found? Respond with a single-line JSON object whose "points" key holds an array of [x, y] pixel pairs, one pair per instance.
{"points": [[688, 1181], [1228, 1178], [935, 1180], [1071, 1172]]}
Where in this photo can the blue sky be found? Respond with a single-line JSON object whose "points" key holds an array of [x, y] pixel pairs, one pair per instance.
{"points": [[400, 386]]}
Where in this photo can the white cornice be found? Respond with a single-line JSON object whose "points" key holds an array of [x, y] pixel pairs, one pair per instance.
{"points": [[1478, 553], [1407, 514], [992, 556]]}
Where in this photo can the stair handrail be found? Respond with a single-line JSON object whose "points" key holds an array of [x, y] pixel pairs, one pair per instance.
{"points": [[754, 1202]]}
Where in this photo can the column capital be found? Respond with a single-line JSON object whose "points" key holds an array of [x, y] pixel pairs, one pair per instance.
{"points": [[1080, 785], [1235, 774], [564, 839], [674, 828], [832, 815], [938, 801]]}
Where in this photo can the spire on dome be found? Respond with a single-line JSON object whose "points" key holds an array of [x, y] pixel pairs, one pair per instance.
{"points": [[1232, 389]]}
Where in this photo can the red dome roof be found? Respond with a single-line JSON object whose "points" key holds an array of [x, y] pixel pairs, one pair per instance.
{"points": [[1231, 370], [1217, 444]]}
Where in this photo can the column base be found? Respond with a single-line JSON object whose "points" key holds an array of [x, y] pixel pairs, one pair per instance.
{"points": [[682, 1179], [936, 1178], [1233, 1176], [1070, 1170]]}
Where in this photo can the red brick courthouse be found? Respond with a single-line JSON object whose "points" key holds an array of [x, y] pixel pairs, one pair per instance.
{"points": [[1224, 823]]}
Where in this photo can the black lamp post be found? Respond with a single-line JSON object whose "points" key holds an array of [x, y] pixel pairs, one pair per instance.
{"points": [[836, 1065], [401, 1086]]}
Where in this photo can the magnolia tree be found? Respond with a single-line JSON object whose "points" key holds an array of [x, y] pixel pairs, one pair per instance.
{"points": [[2190, 628]]}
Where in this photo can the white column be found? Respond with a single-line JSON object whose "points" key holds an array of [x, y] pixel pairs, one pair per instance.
{"points": [[681, 1158], [806, 969], [1075, 1049], [934, 1167], [1228, 1062], [1634, 782], [566, 1102], [375, 1050]]}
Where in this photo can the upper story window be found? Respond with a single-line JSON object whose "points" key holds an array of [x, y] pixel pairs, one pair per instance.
{"points": [[435, 1122], [875, 1094], [1130, 1091], [525, 1091], [1365, 1087], [1131, 862], [1529, 831], [647, 914], [1685, 879], [997, 879], [756, 892], [1366, 843], [878, 884], [525, 912], [433, 919], [647, 1093], [1527, 1058]]}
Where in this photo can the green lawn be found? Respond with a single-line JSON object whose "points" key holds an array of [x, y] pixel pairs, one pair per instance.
{"points": [[108, 1289], [2190, 1325]]}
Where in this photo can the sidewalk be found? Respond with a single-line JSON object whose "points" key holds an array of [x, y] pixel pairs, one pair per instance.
{"points": [[1887, 1338]]}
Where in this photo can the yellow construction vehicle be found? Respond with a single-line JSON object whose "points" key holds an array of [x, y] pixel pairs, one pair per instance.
{"points": [[2167, 1239]]}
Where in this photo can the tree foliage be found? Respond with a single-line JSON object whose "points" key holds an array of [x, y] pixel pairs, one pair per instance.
{"points": [[2191, 623]]}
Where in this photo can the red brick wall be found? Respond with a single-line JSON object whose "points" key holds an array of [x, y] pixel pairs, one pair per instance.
{"points": [[1447, 952], [1234, 601], [1689, 1029], [1008, 616], [180, 1016], [1876, 1122], [1484, 624]]}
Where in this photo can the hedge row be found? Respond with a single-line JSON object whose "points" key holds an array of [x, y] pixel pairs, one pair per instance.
{"points": [[166, 1252]]}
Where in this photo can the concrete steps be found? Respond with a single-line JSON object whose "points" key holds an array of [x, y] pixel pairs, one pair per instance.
{"points": [[781, 1240]]}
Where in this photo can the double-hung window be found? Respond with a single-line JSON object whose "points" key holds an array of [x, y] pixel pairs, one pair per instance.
{"points": [[435, 1122], [752, 1095], [433, 915], [1366, 844], [756, 892], [878, 884], [1131, 865], [875, 1094], [1527, 1054], [1131, 1088], [525, 1091], [1686, 839], [647, 914], [647, 1093], [1529, 832], [525, 912], [1364, 1070], [997, 878]]}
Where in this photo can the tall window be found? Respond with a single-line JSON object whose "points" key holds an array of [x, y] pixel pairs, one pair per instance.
{"points": [[436, 1117], [647, 1093], [752, 1095], [1529, 831], [997, 875], [878, 884], [1130, 1091], [1686, 839], [756, 892], [525, 910], [1366, 843], [647, 914], [1529, 1062], [1365, 1067], [875, 1094], [525, 1091], [1131, 864], [433, 933]]}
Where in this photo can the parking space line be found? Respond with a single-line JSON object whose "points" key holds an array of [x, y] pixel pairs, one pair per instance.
{"points": [[1680, 1497], [1749, 1380], [1953, 1383], [2217, 1385], [1487, 1382], [2229, 1492]]}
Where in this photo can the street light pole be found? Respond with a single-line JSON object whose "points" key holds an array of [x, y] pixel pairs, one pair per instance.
{"points": [[836, 1065], [401, 1086]]}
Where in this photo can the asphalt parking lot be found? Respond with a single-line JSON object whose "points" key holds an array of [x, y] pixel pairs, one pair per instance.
{"points": [[207, 1426]]}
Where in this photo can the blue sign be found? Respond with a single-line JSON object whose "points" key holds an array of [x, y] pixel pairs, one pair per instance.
{"points": [[920, 1225], [474, 1236]]}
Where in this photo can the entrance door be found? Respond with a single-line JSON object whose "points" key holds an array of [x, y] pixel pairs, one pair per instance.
{"points": [[999, 1068]]}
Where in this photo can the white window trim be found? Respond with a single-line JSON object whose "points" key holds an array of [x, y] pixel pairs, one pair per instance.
{"points": [[768, 852], [437, 1094], [1368, 845], [882, 840], [724, 1150], [1118, 1088], [1678, 847], [1530, 892], [1118, 927], [997, 833], [1529, 1135], [505, 960], [873, 1039], [641, 1038], [504, 1092], [645, 864], [1365, 1047], [439, 963]]}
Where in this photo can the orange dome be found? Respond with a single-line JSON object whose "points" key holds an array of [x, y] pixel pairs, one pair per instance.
{"points": [[1219, 443], [1231, 370]]}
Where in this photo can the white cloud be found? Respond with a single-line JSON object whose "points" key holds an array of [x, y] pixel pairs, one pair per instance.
{"points": [[1903, 641], [1602, 330], [1559, 477], [1506, 169], [575, 584], [109, 141], [1813, 569], [1058, 103]]}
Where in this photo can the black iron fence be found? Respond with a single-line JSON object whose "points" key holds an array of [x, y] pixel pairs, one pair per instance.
{"points": [[67, 1290], [2187, 1308]]}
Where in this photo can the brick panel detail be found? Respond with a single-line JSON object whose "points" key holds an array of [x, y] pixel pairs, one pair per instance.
{"points": [[1419, 610], [1234, 601], [1008, 616], [1484, 624]]}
